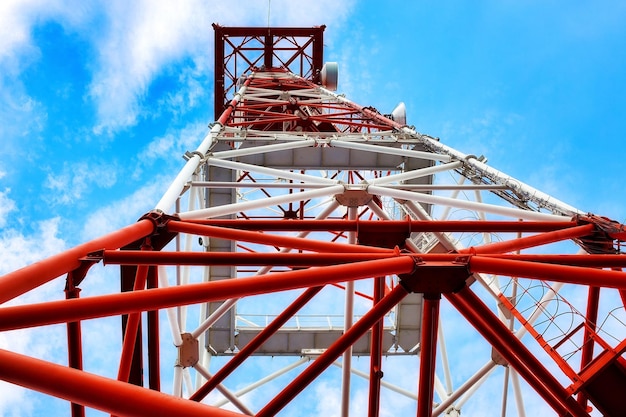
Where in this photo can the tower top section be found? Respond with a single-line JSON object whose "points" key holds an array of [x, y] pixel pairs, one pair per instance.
{"points": [[241, 49]]}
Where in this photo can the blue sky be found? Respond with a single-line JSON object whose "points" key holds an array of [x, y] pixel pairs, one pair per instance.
{"points": [[98, 101]]}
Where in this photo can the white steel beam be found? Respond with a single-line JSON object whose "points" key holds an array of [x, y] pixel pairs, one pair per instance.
{"points": [[389, 150], [464, 204], [265, 380], [232, 398], [417, 173], [251, 205], [256, 150], [347, 324], [467, 386], [288, 175]]}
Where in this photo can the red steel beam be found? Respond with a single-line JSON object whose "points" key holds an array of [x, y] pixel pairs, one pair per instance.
{"points": [[130, 257], [586, 356], [246, 351], [376, 351], [428, 354], [515, 352], [108, 395], [238, 258], [549, 272], [62, 311], [383, 226], [592, 260], [532, 241], [333, 352], [153, 336], [23, 280], [74, 344], [255, 237], [130, 329]]}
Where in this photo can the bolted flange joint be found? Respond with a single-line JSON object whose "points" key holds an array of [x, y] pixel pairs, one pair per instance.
{"points": [[188, 352], [437, 277]]}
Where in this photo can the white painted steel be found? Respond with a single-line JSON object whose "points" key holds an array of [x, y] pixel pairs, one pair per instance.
{"points": [[519, 397], [469, 205], [444, 358], [265, 380], [470, 392], [178, 185], [386, 384], [464, 388], [187, 381], [347, 324], [285, 185], [389, 150], [418, 173], [287, 175], [215, 316], [303, 143], [171, 312], [505, 391], [232, 398], [252, 205], [177, 384]]}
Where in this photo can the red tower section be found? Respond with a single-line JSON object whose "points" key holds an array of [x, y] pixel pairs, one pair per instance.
{"points": [[314, 253]]}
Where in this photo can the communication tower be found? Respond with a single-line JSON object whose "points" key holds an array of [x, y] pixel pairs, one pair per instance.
{"points": [[311, 240]]}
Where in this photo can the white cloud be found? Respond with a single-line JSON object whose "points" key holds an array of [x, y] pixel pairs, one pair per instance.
{"points": [[17, 18], [141, 39], [144, 37], [69, 185], [135, 41], [6, 206], [19, 250], [124, 212], [174, 143]]}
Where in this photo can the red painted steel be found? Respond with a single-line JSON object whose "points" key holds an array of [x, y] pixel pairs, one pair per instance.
{"points": [[132, 325], [74, 344], [130, 302], [549, 272], [515, 352], [376, 351], [305, 45], [593, 302], [255, 237], [246, 351], [18, 282], [333, 352], [377, 226], [532, 241], [592, 261], [238, 258], [110, 396], [428, 354], [153, 338], [321, 259]]}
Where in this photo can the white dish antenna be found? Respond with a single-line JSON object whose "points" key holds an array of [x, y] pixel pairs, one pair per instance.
{"points": [[329, 75], [399, 114]]}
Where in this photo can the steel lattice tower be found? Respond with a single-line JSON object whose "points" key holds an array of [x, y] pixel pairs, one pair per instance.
{"points": [[312, 230]]}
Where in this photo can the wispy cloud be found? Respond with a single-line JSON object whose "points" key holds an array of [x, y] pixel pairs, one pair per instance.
{"points": [[6, 206], [140, 39], [75, 180]]}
